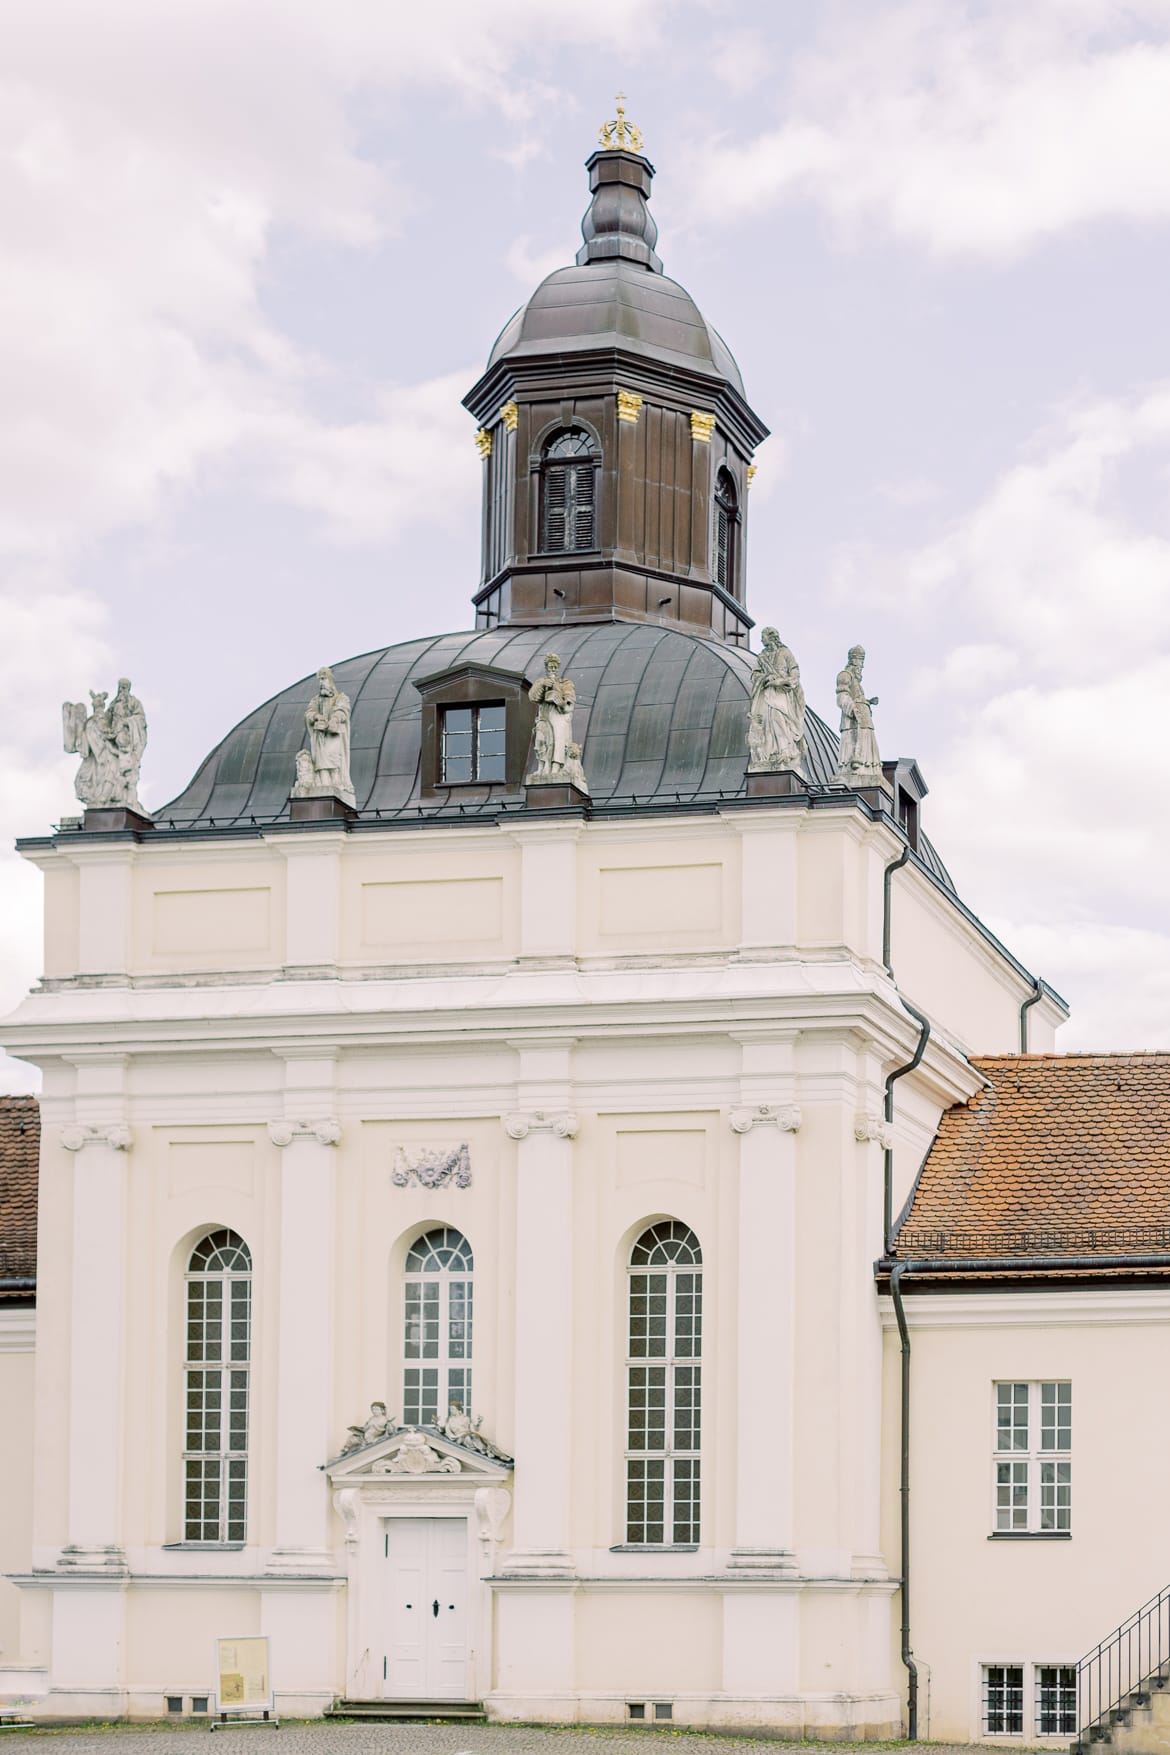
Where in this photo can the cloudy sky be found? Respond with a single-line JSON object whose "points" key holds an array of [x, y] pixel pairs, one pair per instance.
{"points": [[256, 250]]}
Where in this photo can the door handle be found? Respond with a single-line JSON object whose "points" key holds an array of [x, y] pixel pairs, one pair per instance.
{"points": [[435, 1606]]}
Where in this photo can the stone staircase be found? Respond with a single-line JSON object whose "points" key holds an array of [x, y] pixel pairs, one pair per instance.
{"points": [[1139, 1724], [466, 1712]]}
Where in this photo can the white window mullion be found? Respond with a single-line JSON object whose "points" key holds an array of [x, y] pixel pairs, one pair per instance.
{"points": [[216, 1377], [437, 1337], [1032, 1465], [663, 1388]]}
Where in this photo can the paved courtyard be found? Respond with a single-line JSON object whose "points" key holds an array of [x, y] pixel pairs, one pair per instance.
{"points": [[413, 1739]]}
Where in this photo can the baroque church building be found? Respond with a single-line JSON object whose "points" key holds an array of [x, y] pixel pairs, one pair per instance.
{"points": [[547, 1200]]}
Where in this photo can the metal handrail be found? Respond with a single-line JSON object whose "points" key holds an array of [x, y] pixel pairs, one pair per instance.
{"points": [[1125, 1663]]}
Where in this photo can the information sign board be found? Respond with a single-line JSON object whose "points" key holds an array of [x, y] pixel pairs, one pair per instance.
{"points": [[243, 1680]]}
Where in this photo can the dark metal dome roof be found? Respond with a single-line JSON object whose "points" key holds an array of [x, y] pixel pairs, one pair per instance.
{"points": [[617, 304], [662, 716]]}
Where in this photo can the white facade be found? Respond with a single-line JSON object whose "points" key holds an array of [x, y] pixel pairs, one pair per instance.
{"points": [[625, 1021]]}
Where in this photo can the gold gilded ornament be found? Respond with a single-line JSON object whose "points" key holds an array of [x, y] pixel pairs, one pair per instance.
{"points": [[620, 135], [702, 426], [629, 406], [509, 414], [483, 442]]}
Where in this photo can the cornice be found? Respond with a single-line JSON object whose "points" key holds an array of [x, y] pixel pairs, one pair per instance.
{"points": [[435, 1014], [604, 371], [1104, 1308], [18, 1329]]}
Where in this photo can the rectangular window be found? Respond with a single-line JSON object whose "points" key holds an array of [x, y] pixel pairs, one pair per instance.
{"points": [[471, 744], [1032, 1463], [1029, 1701], [1003, 1700], [1056, 1700]]}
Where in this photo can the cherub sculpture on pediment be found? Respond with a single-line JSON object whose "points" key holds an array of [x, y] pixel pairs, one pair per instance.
{"points": [[459, 1428], [377, 1425]]}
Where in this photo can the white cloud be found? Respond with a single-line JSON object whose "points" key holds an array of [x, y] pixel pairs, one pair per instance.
{"points": [[530, 265], [1117, 976], [1052, 760], [1061, 562], [141, 192], [968, 129], [368, 479]]}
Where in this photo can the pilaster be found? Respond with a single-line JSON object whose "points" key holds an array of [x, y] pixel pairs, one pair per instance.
{"points": [[766, 1123], [548, 890], [313, 899], [544, 1127], [96, 1345], [105, 899], [306, 1136]]}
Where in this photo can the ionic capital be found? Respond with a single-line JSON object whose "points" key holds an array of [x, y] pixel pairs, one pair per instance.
{"points": [[76, 1135], [561, 1122], [867, 1128], [325, 1132], [785, 1116]]}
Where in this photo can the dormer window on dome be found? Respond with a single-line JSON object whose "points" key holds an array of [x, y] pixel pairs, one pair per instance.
{"points": [[476, 729], [568, 493]]}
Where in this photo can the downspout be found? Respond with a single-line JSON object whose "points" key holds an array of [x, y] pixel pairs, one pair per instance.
{"points": [[896, 1290], [887, 879], [1024, 1009], [904, 1494], [899, 1072]]}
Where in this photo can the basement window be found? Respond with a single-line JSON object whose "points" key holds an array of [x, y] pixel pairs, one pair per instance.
{"points": [[1003, 1700]]}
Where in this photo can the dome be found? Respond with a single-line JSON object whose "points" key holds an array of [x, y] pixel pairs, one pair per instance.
{"points": [[661, 714], [618, 304]]}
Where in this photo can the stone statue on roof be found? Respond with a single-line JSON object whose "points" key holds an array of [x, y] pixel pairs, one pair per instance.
{"points": [[110, 741], [323, 769], [776, 714], [553, 760], [860, 763]]}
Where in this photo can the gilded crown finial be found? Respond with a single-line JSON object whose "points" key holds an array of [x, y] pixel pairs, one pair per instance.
{"points": [[620, 135]]}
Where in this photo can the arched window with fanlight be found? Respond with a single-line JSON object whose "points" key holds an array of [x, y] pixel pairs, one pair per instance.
{"points": [[218, 1358], [723, 560], [568, 492], [437, 1326], [664, 1387]]}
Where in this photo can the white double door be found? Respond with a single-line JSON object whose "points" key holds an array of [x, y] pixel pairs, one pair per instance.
{"points": [[425, 1609]]}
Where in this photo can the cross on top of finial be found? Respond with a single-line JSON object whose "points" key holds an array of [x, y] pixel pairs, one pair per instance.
{"points": [[620, 135]]}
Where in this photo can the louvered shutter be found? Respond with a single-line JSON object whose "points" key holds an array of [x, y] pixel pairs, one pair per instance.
{"points": [[722, 543], [556, 483], [582, 509]]}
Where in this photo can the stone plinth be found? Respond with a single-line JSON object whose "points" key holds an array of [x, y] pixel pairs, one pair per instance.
{"points": [[115, 816], [555, 795], [321, 808], [776, 783]]}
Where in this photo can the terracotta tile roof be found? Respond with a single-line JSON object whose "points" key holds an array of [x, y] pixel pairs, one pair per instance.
{"points": [[1062, 1154], [20, 1138]]}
